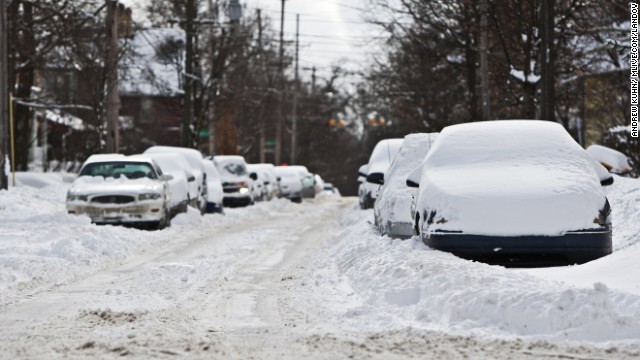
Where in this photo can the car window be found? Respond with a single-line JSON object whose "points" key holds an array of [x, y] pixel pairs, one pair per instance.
{"points": [[235, 169], [157, 168], [131, 170]]}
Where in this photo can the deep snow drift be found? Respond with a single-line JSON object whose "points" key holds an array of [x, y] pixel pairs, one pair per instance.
{"points": [[359, 282]]}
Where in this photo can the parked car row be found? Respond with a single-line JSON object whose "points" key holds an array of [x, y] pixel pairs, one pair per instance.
{"points": [[508, 192], [147, 190]]}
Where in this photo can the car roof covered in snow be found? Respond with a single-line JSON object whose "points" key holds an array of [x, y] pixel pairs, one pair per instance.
{"points": [[170, 162], [383, 154], [104, 157], [411, 154], [613, 160], [229, 158]]}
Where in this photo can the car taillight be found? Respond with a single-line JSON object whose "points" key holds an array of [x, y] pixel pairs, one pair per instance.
{"points": [[243, 184]]}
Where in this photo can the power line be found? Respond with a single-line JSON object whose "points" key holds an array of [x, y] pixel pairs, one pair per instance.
{"points": [[344, 5]]}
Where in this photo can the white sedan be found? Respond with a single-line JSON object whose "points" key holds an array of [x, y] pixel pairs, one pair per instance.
{"points": [[121, 190]]}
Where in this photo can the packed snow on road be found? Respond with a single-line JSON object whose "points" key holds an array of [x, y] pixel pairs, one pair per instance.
{"points": [[281, 280]]}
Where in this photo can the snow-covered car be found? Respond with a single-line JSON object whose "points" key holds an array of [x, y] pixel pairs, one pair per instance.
{"points": [[329, 189], [182, 187], [273, 190], [194, 158], [215, 193], [121, 190], [512, 191], [392, 208], [613, 160], [236, 182], [261, 182], [308, 181], [290, 183], [318, 183], [381, 157]]}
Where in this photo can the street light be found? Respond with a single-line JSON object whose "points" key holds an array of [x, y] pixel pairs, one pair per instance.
{"points": [[234, 11]]}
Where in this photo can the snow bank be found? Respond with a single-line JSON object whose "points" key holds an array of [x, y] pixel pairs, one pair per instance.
{"points": [[40, 244], [387, 284]]}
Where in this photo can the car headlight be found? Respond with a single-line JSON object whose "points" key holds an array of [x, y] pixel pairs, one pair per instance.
{"points": [[149, 196], [244, 190], [76, 197]]}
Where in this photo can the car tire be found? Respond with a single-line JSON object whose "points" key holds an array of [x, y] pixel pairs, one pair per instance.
{"points": [[165, 222]]}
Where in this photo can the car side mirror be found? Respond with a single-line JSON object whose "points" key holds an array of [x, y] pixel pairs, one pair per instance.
{"points": [[376, 178], [412, 184], [191, 178], [166, 177], [606, 182], [362, 171], [279, 178], [253, 176], [267, 182]]}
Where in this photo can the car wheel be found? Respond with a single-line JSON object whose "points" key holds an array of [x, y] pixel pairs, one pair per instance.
{"points": [[164, 222]]}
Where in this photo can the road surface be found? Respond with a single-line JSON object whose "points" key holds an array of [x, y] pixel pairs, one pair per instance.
{"points": [[231, 291]]}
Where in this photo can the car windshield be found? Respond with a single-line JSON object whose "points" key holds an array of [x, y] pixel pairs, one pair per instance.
{"points": [[131, 170], [235, 169]]}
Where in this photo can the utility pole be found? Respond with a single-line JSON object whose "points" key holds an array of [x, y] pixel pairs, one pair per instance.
{"points": [[484, 64], [186, 78], [294, 115], [548, 61], [113, 98], [262, 125], [4, 96], [279, 119], [313, 78]]}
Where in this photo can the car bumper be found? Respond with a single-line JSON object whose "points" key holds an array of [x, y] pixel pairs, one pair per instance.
{"points": [[120, 214], [213, 207], [236, 200], [571, 248]]}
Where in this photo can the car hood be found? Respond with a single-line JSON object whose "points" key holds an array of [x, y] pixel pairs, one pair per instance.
{"points": [[228, 178], [87, 185], [532, 199]]}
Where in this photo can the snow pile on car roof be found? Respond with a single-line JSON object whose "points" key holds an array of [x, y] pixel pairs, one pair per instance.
{"points": [[394, 200], [509, 178], [383, 154], [613, 160]]}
